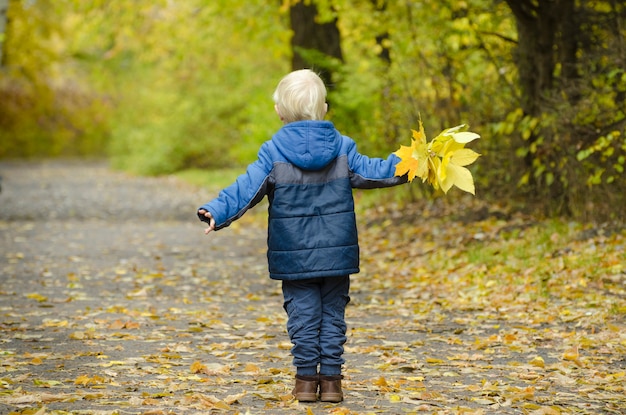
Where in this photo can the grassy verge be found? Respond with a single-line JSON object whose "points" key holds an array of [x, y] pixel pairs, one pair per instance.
{"points": [[210, 178], [490, 258]]}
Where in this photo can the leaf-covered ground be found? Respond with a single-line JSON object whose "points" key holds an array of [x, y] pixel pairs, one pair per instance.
{"points": [[112, 301]]}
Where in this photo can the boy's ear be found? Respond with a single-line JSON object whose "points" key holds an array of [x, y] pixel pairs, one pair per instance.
{"points": [[278, 112]]}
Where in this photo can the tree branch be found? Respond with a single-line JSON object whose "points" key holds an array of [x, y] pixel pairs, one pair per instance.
{"points": [[501, 36]]}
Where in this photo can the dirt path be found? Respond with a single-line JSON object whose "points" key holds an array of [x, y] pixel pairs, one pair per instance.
{"points": [[113, 301]]}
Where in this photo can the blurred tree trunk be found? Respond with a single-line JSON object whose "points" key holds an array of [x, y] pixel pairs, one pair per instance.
{"points": [[311, 35], [4, 9], [562, 46], [539, 24], [547, 37]]}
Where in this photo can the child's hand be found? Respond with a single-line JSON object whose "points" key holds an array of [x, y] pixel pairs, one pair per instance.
{"points": [[211, 221]]}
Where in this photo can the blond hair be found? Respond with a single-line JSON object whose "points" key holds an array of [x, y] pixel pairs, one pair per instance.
{"points": [[301, 95]]}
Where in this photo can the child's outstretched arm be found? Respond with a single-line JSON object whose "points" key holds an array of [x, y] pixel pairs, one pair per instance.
{"points": [[370, 173], [233, 201]]}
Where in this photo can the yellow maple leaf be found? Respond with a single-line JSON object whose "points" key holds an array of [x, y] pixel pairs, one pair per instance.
{"points": [[197, 367], [407, 164], [381, 382], [252, 368], [420, 152], [83, 380], [453, 175], [395, 398], [414, 158], [37, 297], [538, 361], [36, 361], [442, 162], [572, 355]]}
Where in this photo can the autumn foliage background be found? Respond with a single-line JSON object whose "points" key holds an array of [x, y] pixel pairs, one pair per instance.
{"points": [[160, 87], [509, 301]]}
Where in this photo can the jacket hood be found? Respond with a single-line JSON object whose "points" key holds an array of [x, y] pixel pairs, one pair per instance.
{"points": [[309, 145]]}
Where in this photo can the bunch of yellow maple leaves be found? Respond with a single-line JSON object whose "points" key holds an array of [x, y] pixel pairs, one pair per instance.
{"points": [[441, 161]]}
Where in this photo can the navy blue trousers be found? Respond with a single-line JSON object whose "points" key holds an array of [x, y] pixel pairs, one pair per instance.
{"points": [[316, 324]]}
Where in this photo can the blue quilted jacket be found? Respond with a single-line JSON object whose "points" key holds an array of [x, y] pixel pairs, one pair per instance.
{"points": [[307, 170]]}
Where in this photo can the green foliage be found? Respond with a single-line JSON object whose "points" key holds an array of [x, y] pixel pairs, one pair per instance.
{"points": [[47, 106], [187, 100], [216, 178], [604, 154], [449, 62], [163, 86], [573, 148], [578, 154], [185, 84]]}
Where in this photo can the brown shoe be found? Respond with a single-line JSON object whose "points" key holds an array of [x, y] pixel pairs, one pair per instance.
{"points": [[306, 388], [330, 388]]}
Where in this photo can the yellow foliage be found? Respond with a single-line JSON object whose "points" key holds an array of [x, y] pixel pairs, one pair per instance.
{"points": [[38, 297], [538, 361], [441, 161], [197, 367]]}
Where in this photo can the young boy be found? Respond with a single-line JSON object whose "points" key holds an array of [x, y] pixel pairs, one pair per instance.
{"points": [[308, 170]]}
